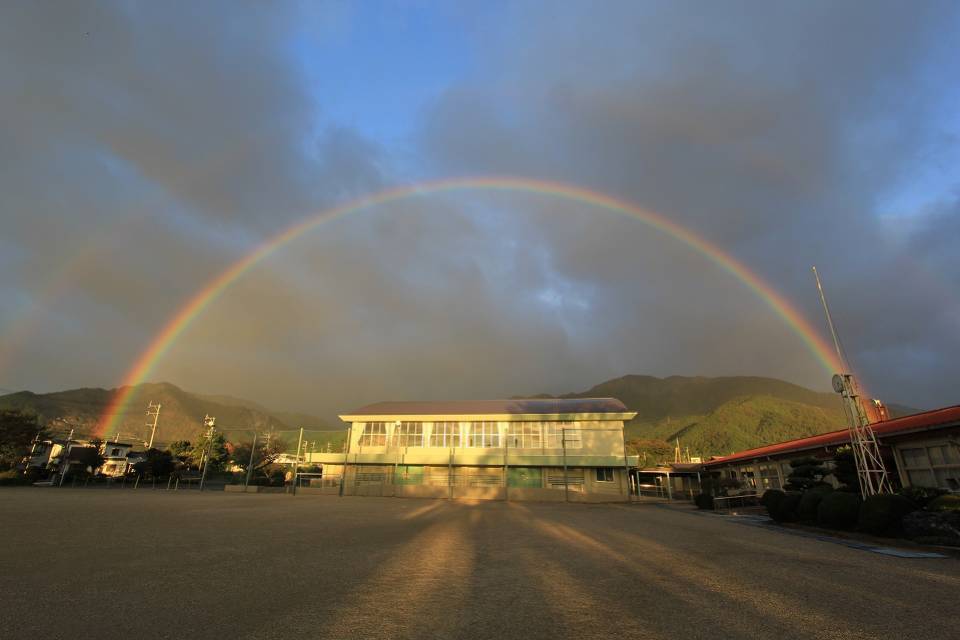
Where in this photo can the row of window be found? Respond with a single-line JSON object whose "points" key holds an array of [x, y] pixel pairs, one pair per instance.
{"points": [[481, 435], [932, 466]]}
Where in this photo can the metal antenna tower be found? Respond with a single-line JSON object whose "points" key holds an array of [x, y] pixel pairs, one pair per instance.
{"points": [[866, 452], [153, 411]]}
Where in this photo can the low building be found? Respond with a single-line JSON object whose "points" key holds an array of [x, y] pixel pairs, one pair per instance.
{"points": [[116, 459], [536, 449], [918, 450], [43, 455]]}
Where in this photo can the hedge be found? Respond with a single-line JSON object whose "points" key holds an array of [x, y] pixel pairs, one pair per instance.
{"points": [[785, 510], [807, 509], [882, 514], [839, 510], [948, 502]]}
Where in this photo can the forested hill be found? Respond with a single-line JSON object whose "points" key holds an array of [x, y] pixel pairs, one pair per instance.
{"points": [[181, 414], [716, 416]]}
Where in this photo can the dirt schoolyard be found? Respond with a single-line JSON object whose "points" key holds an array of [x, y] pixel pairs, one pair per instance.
{"points": [[158, 564]]}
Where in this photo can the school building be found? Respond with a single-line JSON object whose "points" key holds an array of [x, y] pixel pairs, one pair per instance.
{"points": [[921, 450], [518, 449]]}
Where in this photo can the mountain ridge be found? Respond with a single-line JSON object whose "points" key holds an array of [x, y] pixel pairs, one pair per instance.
{"points": [[709, 415]]}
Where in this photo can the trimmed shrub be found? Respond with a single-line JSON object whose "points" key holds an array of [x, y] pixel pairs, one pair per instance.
{"points": [[933, 527], [921, 495], [703, 501], [13, 478], [771, 499], [882, 515], [948, 502], [807, 509], [839, 510], [786, 509]]}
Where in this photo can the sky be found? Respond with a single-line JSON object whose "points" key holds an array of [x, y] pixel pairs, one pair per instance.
{"points": [[146, 147]]}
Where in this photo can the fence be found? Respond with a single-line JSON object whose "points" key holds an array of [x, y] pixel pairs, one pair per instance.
{"points": [[564, 464]]}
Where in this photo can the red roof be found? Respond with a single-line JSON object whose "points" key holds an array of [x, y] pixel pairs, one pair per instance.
{"points": [[949, 416]]}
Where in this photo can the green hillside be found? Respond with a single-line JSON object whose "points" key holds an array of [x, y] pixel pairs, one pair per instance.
{"points": [[741, 423], [715, 416], [181, 415]]}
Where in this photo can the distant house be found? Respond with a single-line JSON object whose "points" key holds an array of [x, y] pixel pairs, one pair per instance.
{"points": [[116, 459]]}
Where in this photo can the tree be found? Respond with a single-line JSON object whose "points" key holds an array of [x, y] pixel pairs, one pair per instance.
{"points": [[805, 473], [180, 450], [651, 451], [845, 469], [17, 432], [156, 463], [265, 454], [212, 449]]}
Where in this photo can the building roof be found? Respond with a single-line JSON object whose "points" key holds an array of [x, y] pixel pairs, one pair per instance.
{"points": [[528, 406], [946, 417]]}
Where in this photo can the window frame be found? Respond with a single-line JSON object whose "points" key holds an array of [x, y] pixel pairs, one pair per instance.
{"points": [[451, 437], [607, 471], [408, 434], [373, 437], [488, 435], [524, 435], [560, 434]]}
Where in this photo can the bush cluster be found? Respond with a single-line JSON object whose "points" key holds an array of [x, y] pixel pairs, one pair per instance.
{"points": [[13, 478], [947, 502], [839, 510], [810, 501], [921, 495], [936, 514], [882, 514]]}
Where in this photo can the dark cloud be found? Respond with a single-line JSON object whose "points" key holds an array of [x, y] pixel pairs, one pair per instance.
{"points": [[146, 147]]}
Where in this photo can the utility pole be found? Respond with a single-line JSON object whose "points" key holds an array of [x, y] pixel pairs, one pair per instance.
{"points": [[208, 421], [871, 472], [153, 411]]}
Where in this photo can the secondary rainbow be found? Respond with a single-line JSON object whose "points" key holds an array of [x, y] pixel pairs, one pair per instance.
{"points": [[215, 287]]}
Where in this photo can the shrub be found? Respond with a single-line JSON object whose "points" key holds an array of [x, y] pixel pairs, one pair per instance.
{"points": [[13, 478], [948, 502], [771, 499], [786, 509], [703, 501], [805, 473], [882, 514], [933, 527], [839, 510], [807, 509], [921, 495]]}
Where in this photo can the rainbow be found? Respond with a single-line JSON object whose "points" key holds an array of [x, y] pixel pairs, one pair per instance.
{"points": [[176, 325]]}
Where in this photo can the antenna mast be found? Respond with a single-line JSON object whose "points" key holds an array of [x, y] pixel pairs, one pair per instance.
{"points": [[153, 411], [866, 452]]}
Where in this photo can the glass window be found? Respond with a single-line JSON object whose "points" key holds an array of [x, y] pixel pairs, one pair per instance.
{"points": [[484, 435], [915, 458], [445, 434], [948, 478], [374, 434], [604, 474], [408, 434], [556, 434], [921, 478], [524, 435]]}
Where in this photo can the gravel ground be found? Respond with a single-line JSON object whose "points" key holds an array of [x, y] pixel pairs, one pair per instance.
{"points": [[150, 564]]}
